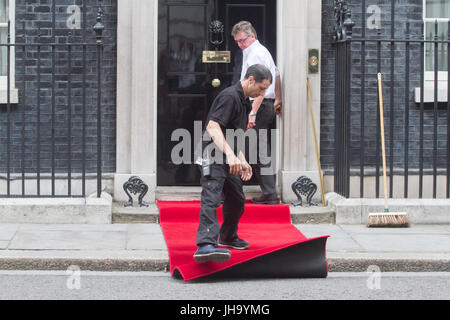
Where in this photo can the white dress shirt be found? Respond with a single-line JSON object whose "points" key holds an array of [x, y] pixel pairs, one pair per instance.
{"points": [[258, 54]]}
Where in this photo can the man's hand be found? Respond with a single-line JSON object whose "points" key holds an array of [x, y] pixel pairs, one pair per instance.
{"points": [[251, 121], [255, 107], [278, 107], [234, 163], [278, 96], [247, 172]]}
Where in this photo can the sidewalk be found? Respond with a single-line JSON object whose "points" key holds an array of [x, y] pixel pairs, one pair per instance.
{"points": [[141, 247]]}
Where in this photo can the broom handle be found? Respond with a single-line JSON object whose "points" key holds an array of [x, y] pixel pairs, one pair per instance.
{"points": [[383, 145], [315, 142]]}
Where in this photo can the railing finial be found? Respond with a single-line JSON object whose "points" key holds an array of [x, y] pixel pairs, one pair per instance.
{"points": [[343, 24], [99, 26]]}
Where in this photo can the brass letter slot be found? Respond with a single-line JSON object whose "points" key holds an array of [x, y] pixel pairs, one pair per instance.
{"points": [[216, 57]]}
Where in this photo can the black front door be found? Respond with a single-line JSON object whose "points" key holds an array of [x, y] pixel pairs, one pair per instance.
{"points": [[185, 83]]}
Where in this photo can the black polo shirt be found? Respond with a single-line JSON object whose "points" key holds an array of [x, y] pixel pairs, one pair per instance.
{"points": [[230, 109]]}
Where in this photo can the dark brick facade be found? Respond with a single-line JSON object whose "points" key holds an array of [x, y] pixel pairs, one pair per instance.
{"points": [[405, 10], [39, 19], [39, 14]]}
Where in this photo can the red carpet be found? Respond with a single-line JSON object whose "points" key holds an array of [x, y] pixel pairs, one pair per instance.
{"points": [[277, 248]]}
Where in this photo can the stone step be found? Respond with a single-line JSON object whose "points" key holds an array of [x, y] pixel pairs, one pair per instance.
{"points": [[89, 210], [131, 215], [149, 215], [193, 193], [313, 215]]}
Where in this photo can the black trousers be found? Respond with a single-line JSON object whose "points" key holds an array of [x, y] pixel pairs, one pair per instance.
{"points": [[220, 181], [264, 120]]}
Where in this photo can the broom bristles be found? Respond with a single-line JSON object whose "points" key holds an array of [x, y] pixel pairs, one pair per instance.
{"points": [[388, 219]]}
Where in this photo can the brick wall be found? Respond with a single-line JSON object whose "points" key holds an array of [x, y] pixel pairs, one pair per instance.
{"points": [[38, 17], [406, 10]]}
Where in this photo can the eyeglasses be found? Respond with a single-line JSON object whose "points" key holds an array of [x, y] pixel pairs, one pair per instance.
{"points": [[241, 41]]}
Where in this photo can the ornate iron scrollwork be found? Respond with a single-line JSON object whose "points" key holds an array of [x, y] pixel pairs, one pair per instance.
{"points": [[304, 186], [135, 185], [343, 24], [216, 30]]}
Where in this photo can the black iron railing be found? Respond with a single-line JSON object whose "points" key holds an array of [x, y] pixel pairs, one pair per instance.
{"points": [[418, 127], [58, 78]]}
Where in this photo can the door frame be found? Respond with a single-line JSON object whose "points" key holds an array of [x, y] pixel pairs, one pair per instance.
{"points": [[297, 21]]}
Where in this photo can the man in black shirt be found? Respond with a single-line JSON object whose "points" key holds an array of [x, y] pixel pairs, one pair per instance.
{"points": [[228, 112]]}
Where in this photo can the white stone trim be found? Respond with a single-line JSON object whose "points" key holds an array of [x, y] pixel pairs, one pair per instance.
{"points": [[299, 29], [137, 60]]}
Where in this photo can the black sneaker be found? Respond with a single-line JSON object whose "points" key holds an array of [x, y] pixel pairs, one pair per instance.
{"points": [[210, 252], [265, 200], [237, 243]]}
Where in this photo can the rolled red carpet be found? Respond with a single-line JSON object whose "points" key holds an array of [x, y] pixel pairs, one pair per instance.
{"points": [[277, 248]]}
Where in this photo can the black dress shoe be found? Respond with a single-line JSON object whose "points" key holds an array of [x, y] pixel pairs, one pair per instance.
{"points": [[265, 200]]}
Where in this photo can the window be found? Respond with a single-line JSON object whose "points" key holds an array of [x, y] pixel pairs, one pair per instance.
{"points": [[7, 13], [4, 17], [435, 10]]}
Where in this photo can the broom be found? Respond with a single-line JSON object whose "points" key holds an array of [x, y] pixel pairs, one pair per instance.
{"points": [[385, 219], [315, 143]]}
